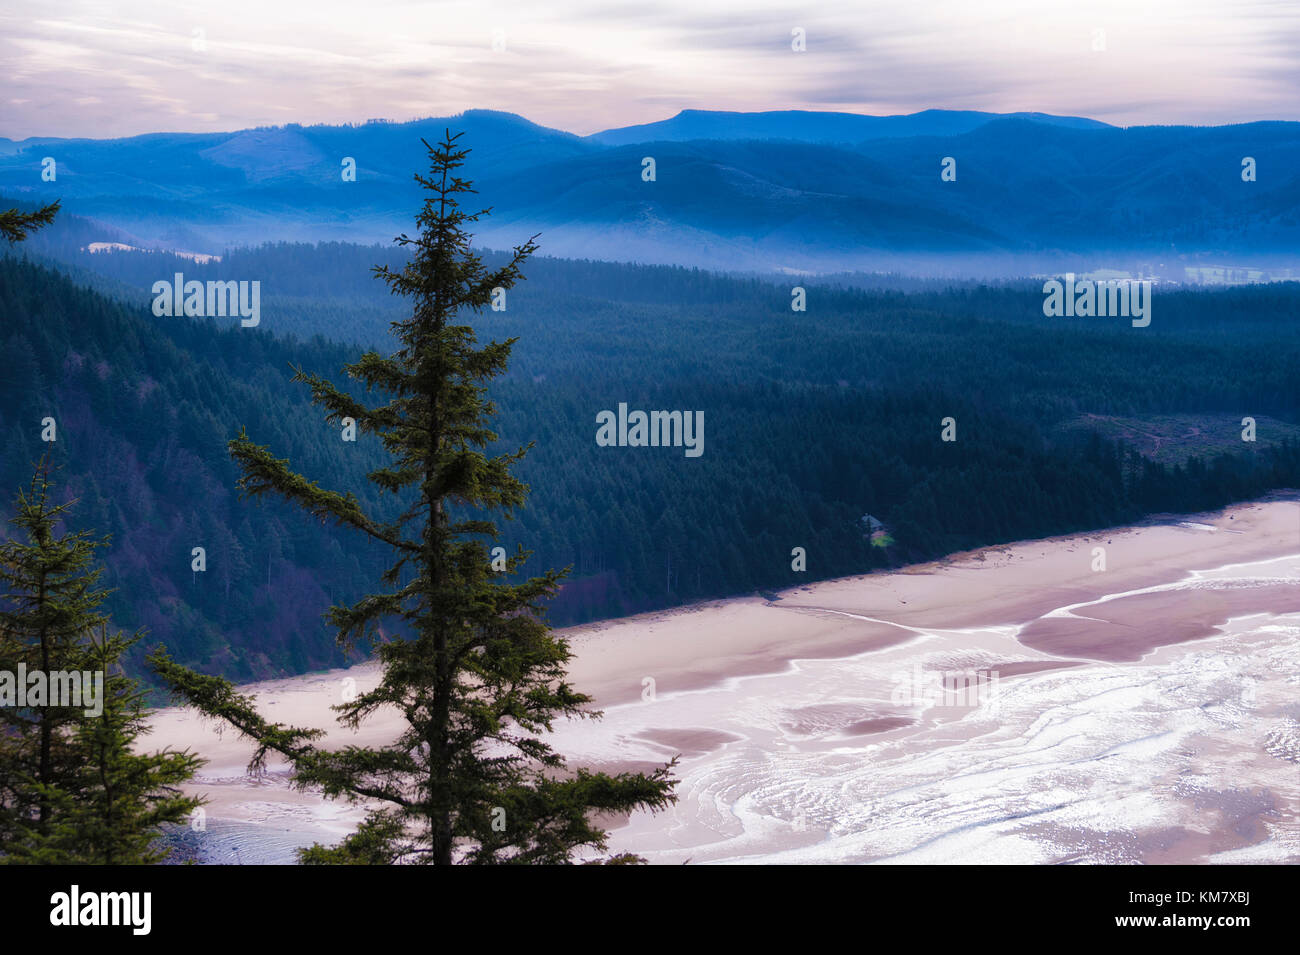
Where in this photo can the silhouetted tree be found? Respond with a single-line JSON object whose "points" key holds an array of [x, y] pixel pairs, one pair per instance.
{"points": [[481, 676]]}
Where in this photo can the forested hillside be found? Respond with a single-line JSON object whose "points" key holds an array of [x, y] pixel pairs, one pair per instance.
{"points": [[813, 420], [143, 411]]}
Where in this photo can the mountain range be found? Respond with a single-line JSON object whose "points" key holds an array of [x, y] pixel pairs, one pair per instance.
{"points": [[774, 190], [807, 126]]}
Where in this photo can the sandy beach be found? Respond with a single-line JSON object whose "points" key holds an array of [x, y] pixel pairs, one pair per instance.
{"points": [[1012, 704]]}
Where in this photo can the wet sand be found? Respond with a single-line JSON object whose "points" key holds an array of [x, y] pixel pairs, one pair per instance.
{"points": [[796, 719]]}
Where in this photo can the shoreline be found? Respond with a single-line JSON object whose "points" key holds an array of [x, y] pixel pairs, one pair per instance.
{"points": [[1010, 606], [951, 593]]}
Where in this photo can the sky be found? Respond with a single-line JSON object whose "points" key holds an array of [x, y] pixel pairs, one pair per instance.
{"points": [[104, 69]]}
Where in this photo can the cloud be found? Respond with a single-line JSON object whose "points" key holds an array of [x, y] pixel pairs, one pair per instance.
{"points": [[96, 69]]}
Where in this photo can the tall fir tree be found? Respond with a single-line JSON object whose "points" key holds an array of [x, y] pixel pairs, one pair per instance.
{"points": [[476, 673], [72, 787]]}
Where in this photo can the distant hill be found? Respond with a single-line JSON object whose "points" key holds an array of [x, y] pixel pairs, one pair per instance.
{"points": [[817, 127], [794, 190], [1028, 197], [203, 191]]}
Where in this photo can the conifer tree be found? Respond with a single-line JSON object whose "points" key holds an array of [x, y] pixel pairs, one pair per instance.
{"points": [[15, 226], [72, 789], [122, 800], [475, 672], [48, 605]]}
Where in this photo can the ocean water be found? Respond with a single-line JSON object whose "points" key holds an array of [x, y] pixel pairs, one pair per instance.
{"points": [[242, 843]]}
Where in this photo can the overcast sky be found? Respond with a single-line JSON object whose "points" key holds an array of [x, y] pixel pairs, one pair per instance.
{"points": [[90, 68]]}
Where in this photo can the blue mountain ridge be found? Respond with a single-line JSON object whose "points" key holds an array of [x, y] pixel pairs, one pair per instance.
{"points": [[790, 189]]}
